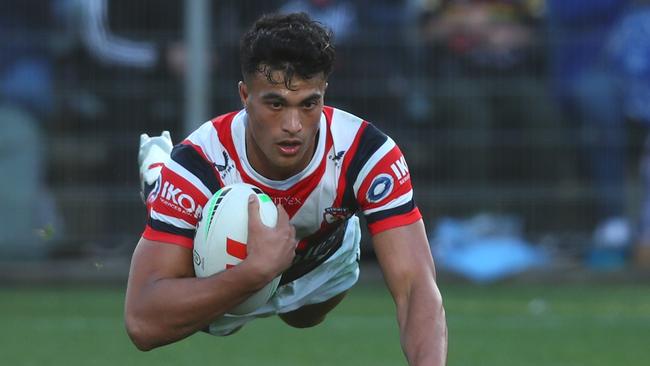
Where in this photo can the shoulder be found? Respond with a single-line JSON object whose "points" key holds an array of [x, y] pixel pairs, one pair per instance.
{"points": [[209, 140], [200, 156], [356, 138], [213, 130], [354, 134]]}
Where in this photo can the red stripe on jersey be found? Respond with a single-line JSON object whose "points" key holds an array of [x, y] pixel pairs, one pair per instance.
{"points": [[349, 155], [302, 244], [154, 235], [298, 192], [223, 126], [229, 266], [154, 165], [329, 112], [395, 221], [236, 249], [401, 185]]}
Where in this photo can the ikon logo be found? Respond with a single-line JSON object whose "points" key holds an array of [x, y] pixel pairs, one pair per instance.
{"points": [[173, 194], [400, 168]]}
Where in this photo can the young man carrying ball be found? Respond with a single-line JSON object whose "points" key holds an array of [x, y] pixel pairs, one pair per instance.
{"points": [[320, 165]]}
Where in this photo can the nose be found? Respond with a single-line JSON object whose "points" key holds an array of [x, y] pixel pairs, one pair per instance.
{"points": [[292, 123]]}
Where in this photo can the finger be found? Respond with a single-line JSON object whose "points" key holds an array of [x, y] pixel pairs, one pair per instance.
{"points": [[144, 138], [283, 216], [253, 211]]}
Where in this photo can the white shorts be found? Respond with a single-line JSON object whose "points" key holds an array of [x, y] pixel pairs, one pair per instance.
{"points": [[337, 274]]}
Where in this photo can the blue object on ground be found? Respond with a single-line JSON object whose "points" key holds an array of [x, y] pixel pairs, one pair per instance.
{"points": [[607, 259], [483, 255]]}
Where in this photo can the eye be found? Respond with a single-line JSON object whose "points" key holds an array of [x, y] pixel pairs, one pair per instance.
{"points": [[310, 104], [275, 105]]}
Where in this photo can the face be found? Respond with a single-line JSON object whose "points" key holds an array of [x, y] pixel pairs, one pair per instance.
{"points": [[282, 123]]}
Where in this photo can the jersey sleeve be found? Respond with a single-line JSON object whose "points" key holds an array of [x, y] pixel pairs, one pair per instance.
{"points": [[176, 203], [383, 188]]}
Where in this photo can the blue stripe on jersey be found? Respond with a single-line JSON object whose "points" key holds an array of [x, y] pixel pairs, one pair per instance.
{"points": [[190, 159], [167, 228], [380, 215], [370, 141]]}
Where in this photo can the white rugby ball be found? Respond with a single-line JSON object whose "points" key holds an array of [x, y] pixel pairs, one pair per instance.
{"points": [[222, 234]]}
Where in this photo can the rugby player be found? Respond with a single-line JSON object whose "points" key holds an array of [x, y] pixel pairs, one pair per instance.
{"points": [[321, 166]]}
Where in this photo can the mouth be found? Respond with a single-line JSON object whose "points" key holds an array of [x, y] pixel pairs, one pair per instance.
{"points": [[289, 147]]}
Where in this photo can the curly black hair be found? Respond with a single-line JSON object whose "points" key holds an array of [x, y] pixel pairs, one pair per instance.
{"points": [[292, 43]]}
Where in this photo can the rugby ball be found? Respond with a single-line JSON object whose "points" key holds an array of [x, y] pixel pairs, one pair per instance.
{"points": [[222, 234]]}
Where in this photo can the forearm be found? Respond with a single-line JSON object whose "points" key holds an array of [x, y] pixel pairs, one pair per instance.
{"points": [[423, 328], [169, 309]]}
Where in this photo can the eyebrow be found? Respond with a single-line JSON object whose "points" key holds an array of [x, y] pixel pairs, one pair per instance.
{"points": [[271, 96]]}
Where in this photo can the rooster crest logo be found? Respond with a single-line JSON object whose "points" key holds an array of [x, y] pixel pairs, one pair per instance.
{"points": [[336, 214]]}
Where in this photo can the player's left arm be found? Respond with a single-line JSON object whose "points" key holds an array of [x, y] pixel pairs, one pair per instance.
{"points": [[383, 191], [405, 258]]}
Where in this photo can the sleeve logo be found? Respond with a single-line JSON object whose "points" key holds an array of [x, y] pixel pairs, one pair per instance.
{"points": [[174, 198], [401, 170], [380, 188]]}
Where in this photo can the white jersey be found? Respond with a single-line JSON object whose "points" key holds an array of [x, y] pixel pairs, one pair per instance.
{"points": [[355, 168]]}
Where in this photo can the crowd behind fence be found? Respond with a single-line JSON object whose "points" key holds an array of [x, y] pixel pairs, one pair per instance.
{"points": [[530, 108]]}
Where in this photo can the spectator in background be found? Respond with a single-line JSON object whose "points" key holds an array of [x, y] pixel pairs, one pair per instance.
{"points": [[26, 103], [125, 75], [487, 87], [371, 31], [140, 46], [136, 51], [386, 42], [628, 51], [339, 15], [586, 90], [122, 73]]}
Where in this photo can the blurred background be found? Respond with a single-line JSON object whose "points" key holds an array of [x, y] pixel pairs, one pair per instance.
{"points": [[524, 123]]}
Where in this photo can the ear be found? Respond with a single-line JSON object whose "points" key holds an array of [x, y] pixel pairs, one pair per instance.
{"points": [[243, 93]]}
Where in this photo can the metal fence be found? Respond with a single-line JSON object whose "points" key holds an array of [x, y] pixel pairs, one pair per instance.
{"points": [[478, 137]]}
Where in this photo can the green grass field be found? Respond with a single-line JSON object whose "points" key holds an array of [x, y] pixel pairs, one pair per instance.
{"points": [[496, 325]]}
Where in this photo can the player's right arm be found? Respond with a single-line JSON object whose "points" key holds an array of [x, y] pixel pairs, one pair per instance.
{"points": [[165, 302]]}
